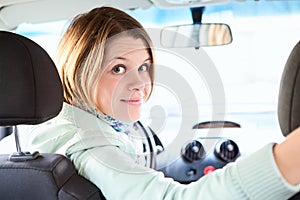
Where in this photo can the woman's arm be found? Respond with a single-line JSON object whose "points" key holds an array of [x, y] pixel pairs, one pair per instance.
{"points": [[115, 173]]}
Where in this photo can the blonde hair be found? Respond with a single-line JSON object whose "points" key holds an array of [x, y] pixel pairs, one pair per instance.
{"points": [[81, 49]]}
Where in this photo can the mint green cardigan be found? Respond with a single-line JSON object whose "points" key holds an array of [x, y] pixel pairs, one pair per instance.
{"points": [[109, 159]]}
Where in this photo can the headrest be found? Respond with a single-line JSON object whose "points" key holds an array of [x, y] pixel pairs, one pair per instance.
{"points": [[30, 87], [289, 93]]}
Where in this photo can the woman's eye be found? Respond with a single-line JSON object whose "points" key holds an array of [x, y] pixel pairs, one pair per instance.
{"points": [[144, 68], [119, 69]]}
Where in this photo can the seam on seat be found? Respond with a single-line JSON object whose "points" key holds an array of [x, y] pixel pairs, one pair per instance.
{"points": [[58, 162], [88, 197], [33, 72], [293, 86]]}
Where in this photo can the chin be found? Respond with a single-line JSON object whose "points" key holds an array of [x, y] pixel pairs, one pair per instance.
{"points": [[129, 117]]}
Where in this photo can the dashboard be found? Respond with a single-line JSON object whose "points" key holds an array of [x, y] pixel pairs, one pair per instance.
{"points": [[201, 155], [215, 144]]}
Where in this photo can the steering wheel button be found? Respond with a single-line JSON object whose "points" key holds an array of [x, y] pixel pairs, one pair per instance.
{"points": [[208, 169]]}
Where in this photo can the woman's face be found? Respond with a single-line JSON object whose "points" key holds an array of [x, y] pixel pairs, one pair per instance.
{"points": [[125, 82]]}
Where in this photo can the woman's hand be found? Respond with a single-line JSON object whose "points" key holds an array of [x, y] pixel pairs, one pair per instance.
{"points": [[287, 157]]}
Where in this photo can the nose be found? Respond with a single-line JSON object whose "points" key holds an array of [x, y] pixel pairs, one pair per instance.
{"points": [[136, 81]]}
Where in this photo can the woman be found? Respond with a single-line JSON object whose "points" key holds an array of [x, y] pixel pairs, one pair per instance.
{"points": [[107, 71]]}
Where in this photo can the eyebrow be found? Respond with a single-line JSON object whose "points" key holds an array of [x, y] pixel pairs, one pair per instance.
{"points": [[122, 58]]}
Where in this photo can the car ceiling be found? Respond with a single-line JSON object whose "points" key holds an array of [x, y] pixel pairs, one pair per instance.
{"points": [[15, 12]]}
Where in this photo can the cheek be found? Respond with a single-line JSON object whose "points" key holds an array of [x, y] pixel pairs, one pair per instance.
{"points": [[148, 87], [104, 96]]}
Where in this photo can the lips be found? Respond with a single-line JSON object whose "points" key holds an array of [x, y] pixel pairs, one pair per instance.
{"points": [[134, 101], [136, 98]]}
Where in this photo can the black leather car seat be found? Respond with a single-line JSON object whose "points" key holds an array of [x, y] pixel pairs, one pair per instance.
{"points": [[289, 96], [31, 93]]}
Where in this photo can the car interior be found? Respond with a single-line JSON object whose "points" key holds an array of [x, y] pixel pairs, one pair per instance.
{"points": [[28, 98], [56, 173]]}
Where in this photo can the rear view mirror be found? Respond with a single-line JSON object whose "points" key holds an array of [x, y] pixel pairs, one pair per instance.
{"points": [[196, 35]]}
